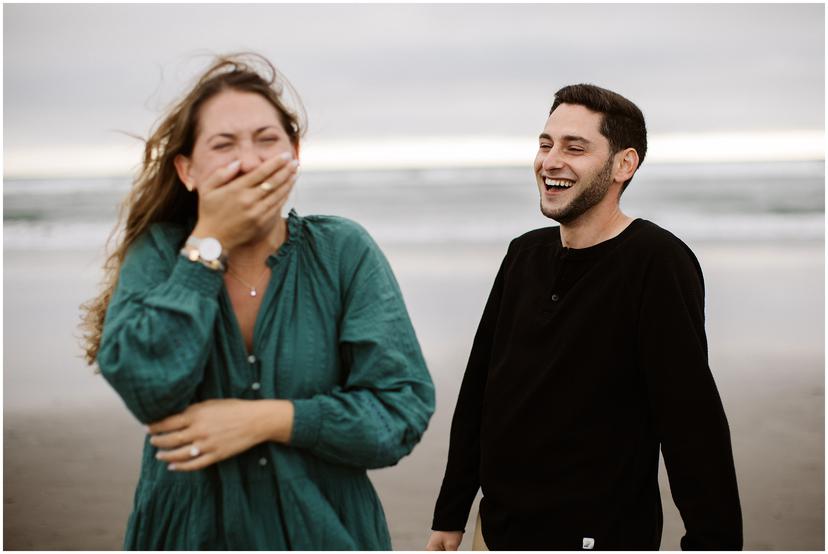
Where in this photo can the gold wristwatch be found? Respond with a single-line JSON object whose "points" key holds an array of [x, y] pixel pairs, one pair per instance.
{"points": [[207, 251]]}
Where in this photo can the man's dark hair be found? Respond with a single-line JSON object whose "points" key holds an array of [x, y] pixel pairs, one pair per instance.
{"points": [[622, 123]]}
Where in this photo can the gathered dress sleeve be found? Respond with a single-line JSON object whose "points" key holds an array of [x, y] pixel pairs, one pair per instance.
{"points": [[381, 410], [159, 327], [688, 413]]}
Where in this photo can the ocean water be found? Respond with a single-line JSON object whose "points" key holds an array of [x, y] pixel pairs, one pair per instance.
{"points": [[762, 229], [697, 202]]}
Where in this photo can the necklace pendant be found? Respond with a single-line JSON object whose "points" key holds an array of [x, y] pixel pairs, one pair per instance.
{"points": [[252, 292]]}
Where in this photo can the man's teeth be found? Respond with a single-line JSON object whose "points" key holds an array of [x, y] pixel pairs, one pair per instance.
{"points": [[557, 183]]}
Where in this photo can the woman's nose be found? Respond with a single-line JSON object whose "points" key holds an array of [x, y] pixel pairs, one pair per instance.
{"points": [[250, 158]]}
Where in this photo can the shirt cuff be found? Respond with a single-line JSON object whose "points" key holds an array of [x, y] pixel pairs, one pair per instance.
{"points": [[307, 421], [198, 277]]}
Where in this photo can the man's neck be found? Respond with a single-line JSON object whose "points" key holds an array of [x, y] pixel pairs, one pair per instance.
{"points": [[594, 227]]}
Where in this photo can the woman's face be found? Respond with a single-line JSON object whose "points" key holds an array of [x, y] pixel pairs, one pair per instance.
{"points": [[234, 125]]}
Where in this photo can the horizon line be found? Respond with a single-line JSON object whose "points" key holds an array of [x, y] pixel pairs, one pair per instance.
{"points": [[436, 152]]}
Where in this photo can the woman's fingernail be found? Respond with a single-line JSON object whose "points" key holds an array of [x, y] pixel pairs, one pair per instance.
{"points": [[234, 165], [171, 467], [295, 163], [286, 155]]}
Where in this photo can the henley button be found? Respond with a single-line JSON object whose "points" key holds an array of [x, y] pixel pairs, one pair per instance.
{"points": [[256, 386], [262, 462], [555, 297], [252, 359]]}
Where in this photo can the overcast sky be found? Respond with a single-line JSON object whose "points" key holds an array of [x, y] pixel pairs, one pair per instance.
{"points": [[74, 73]]}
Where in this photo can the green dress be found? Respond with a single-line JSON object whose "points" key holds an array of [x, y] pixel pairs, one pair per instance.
{"points": [[332, 334]]}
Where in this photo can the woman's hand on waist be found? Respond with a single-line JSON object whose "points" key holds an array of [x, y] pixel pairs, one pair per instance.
{"points": [[235, 210], [214, 430]]}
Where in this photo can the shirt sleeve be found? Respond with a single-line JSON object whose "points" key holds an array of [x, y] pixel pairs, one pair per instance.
{"points": [[462, 477], [688, 413], [158, 330], [380, 412]]}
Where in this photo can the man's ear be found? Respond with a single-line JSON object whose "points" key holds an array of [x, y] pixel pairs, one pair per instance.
{"points": [[182, 167], [627, 164]]}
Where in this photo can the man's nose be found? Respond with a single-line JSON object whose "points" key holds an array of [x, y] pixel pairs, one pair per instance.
{"points": [[552, 160]]}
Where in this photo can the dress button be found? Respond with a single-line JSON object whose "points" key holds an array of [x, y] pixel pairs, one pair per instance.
{"points": [[252, 359], [256, 386], [262, 462], [555, 297]]}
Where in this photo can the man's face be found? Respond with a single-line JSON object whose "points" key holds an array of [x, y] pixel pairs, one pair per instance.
{"points": [[573, 168]]}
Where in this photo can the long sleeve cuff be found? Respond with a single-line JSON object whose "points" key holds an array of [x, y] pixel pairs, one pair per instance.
{"points": [[307, 422], [197, 277]]}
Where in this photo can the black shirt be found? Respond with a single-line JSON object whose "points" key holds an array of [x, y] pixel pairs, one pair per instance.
{"points": [[584, 363]]}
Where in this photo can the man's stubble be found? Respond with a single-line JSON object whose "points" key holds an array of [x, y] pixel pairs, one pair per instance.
{"points": [[592, 194]]}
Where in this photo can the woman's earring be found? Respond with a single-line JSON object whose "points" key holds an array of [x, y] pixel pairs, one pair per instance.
{"points": [[189, 186]]}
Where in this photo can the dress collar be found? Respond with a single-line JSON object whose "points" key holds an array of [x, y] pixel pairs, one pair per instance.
{"points": [[294, 227]]}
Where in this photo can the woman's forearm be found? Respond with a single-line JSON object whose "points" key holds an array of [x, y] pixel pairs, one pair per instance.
{"points": [[275, 420]]}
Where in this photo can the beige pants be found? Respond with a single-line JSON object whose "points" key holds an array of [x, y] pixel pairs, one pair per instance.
{"points": [[477, 542]]}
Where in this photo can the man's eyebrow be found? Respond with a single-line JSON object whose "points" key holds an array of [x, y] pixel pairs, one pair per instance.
{"points": [[565, 138], [575, 138]]}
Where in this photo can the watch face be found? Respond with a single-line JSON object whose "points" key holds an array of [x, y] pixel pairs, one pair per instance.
{"points": [[210, 249]]}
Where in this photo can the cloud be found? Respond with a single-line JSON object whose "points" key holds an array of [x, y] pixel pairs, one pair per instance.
{"points": [[75, 72]]}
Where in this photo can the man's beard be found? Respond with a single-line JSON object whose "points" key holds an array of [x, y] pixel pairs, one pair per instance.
{"points": [[592, 193]]}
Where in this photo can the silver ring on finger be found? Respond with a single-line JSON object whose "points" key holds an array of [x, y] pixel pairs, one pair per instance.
{"points": [[195, 451], [266, 186]]}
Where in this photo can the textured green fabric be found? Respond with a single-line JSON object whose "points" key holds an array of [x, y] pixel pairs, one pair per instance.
{"points": [[332, 334]]}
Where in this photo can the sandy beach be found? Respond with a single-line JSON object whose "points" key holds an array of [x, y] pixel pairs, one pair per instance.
{"points": [[71, 450]]}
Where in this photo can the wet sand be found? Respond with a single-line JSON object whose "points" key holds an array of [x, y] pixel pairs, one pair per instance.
{"points": [[71, 450]]}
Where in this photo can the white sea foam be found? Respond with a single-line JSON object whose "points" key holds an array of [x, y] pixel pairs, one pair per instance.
{"points": [[738, 202]]}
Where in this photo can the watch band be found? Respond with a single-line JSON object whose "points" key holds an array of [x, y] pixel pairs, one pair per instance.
{"points": [[207, 251]]}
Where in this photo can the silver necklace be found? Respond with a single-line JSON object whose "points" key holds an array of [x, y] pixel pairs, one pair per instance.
{"points": [[252, 288]]}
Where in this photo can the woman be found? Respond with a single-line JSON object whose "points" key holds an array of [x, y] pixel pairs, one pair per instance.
{"points": [[273, 359]]}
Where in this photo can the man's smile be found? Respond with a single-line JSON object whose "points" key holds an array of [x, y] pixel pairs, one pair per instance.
{"points": [[557, 185]]}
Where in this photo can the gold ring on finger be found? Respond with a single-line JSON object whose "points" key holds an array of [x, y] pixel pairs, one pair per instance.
{"points": [[266, 186], [194, 451]]}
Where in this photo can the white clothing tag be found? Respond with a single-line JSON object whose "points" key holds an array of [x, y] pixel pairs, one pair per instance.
{"points": [[589, 543]]}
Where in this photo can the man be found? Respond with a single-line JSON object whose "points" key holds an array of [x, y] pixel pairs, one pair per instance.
{"points": [[591, 354]]}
